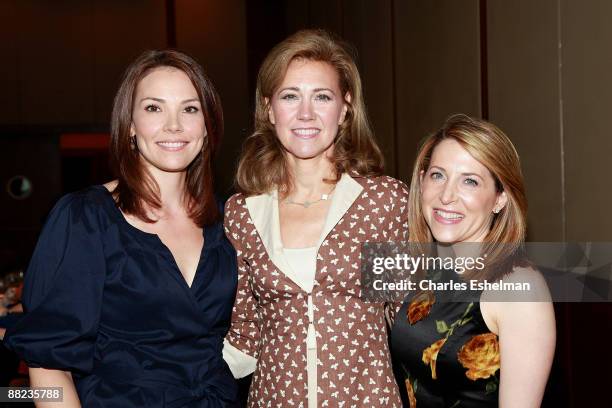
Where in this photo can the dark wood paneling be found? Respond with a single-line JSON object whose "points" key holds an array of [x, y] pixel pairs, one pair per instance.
{"points": [[215, 34], [10, 28], [64, 59], [437, 69], [56, 64], [368, 26], [524, 102], [587, 105], [121, 30]]}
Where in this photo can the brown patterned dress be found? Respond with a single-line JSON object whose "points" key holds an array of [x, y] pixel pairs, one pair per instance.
{"points": [[270, 319]]}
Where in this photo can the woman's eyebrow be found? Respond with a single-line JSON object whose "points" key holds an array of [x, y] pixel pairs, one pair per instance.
{"points": [[472, 174], [290, 88], [324, 89], [161, 100]]}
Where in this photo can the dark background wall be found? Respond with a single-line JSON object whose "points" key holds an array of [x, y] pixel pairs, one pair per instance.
{"points": [[538, 69]]}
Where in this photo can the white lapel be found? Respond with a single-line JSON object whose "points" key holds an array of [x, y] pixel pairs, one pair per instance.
{"points": [[264, 213], [346, 192], [263, 210]]}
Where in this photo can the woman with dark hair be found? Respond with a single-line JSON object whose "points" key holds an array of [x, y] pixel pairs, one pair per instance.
{"points": [[472, 347], [130, 288], [311, 191]]}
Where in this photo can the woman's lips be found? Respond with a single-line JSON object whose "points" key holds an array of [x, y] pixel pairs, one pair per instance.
{"points": [[447, 217], [306, 133], [172, 146]]}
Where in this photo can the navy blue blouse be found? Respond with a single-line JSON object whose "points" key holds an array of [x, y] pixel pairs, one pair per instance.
{"points": [[107, 302]]}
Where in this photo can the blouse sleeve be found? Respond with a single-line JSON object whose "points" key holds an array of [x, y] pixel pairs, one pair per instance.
{"points": [[63, 290], [244, 331], [399, 235]]}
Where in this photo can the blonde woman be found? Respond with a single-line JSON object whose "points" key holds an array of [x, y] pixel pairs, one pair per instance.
{"points": [[311, 191], [467, 188]]}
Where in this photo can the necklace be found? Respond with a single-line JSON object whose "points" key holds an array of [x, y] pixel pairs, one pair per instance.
{"points": [[308, 203]]}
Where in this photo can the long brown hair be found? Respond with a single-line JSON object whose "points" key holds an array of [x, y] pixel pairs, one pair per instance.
{"points": [[262, 164], [491, 147], [136, 187]]}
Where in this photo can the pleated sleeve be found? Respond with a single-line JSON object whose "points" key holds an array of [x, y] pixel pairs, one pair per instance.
{"points": [[63, 290]]}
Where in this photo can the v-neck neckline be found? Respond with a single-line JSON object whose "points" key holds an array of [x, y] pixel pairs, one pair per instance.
{"points": [[263, 210], [152, 236], [277, 231]]}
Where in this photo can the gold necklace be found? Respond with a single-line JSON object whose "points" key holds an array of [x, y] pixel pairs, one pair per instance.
{"points": [[307, 203]]}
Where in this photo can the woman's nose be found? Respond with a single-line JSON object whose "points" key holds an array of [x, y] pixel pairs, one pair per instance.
{"points": [[448, 193], [173, 123], [305, 111]]}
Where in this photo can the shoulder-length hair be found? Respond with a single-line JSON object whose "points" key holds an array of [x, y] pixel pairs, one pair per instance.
{"points": [[136, 188], [263, 166], [491, 147]]}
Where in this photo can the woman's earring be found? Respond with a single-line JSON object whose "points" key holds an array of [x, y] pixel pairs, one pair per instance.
{"points": [[133, 142]]}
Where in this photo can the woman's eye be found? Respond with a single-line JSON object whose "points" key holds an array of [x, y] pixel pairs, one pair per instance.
{"points": [[191, 109], [289, 97], [152, 108], [323, 98], [471, 182], [436, 175]]}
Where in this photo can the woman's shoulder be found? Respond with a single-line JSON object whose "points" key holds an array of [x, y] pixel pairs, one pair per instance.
{"points": [[88, 205], [524, 283], [234, 212], [236, 201], [384, 191], [523, 294], [381, 183], [88, 199], [530, 278]]}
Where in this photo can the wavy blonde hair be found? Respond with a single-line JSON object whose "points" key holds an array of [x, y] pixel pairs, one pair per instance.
{"points": [[262, 165], [486, 143]]}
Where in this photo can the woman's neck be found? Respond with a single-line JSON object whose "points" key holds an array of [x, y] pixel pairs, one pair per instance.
{"points": [[172, 187], [308, 178], [459, 249]]}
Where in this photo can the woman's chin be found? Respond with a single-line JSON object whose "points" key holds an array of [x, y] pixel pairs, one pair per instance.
{"points": [[168, 166], [445, 238]]}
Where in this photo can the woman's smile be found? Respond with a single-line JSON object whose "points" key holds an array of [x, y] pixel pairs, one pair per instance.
{"points": [[306, 133], [172, 146]]}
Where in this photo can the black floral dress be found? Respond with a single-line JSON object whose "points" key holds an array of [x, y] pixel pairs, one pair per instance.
{"points": [[444, 353]]}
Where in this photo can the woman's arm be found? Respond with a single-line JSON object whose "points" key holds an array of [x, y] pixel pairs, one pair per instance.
{"points": [[42, 377], [527, 337], [241, 344], [399, 235], [62, 296], [527, 345]]}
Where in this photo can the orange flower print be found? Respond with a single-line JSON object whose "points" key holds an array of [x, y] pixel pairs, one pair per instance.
{"points": [[480, 355], [430, 355], [410, 390], [420, 307]]}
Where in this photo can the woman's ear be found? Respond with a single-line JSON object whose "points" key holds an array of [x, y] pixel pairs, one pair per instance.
{"points": [[500, 203], [347, 101], [421, 175], [270, 111]]}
